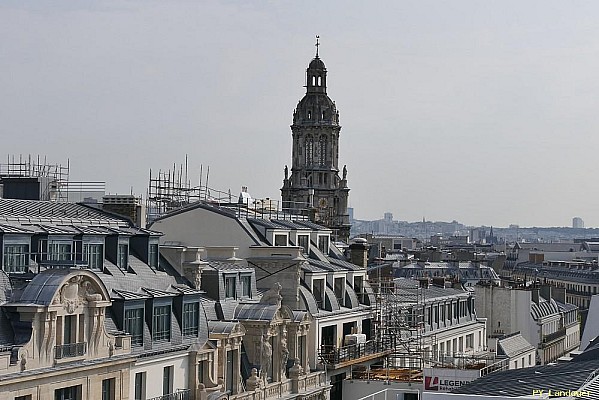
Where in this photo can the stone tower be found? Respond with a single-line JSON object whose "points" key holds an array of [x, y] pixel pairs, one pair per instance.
{"points": [[314, 186]]}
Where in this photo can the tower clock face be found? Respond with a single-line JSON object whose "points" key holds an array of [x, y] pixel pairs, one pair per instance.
{"points": [[322, 203]]}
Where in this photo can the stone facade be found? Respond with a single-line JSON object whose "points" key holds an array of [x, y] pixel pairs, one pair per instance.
{"points": [[314, 186]]}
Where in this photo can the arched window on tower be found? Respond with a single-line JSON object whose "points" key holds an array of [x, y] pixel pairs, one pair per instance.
{"points": [[309, 114], [313, 80], [319, 81], [322, 150], [309, 150]]}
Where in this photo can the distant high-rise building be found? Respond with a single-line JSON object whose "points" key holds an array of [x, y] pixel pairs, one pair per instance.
{"points": [[314, 185], [577, 222]]}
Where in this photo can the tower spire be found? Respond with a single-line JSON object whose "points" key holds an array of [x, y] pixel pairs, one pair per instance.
{"points": [[317, 44]]}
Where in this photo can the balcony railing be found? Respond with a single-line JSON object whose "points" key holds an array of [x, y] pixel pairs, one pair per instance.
{"points": [[70, 350], [180, 394], [332, 355], [560, 333]]}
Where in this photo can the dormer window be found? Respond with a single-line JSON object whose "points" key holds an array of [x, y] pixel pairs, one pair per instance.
{"points": [[230, 283], [16, 257], [303, 241], [191, 317], [93, 254], [246, 285], [161, 326], [134, 325], [123, 256], [323, 244], [60, 250], [280, 240], [153, 255]]}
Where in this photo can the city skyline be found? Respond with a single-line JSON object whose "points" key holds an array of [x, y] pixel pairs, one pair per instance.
{"points": [[480, 113]]}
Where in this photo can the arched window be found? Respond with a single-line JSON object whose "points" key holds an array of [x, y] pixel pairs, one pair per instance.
{"points": [[319, 81], [309, 150], [323, 115], [309, 114], [313, 80], [322, 150]]}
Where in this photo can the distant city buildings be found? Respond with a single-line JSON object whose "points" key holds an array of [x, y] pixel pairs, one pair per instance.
{"points": [[577, 223]]}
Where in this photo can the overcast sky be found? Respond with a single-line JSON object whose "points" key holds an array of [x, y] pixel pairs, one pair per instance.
{"points": [[484, 112]]}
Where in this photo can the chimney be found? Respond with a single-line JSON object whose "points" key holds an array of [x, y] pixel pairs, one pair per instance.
{"points": [[358, 252]]}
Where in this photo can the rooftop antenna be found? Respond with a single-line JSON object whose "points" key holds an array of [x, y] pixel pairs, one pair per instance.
{"points": [[317, 44]]}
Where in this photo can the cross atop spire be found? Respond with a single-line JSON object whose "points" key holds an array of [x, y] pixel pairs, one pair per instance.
{"points": [[317, 44]]}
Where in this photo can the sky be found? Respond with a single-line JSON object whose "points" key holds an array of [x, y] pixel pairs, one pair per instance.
{"points": [[477, 111]]}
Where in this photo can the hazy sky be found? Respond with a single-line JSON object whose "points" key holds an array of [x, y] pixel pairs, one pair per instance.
{"points": [[479, 111]]}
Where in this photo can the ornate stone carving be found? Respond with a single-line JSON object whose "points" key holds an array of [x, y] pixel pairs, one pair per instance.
{"points": [[69, 294], [253, 382], [76, 291], [273, 295], [266, 357]]}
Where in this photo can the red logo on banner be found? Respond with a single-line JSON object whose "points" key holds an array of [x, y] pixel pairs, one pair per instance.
{"points": [[431, 383]]}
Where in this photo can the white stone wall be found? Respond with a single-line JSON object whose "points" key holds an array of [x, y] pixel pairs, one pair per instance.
{"points": [[154, 369]]}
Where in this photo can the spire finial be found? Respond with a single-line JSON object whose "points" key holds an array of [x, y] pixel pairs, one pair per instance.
{"points": [[317, 44]]}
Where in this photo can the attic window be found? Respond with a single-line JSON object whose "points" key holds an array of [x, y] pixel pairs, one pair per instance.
{"points": [[280, 240], [230, 287]]}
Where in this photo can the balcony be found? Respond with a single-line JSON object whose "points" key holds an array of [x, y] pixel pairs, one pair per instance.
{"points": [[180, 394], [552, 337], [337, 357], [70, 350]]}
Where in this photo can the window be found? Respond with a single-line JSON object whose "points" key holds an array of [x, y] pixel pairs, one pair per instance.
{"points": [[191, 315], [309, 149], [68, 393], [470, 341], [339, 290], [16, 257], [167, 380], [69, 329], [230, 287], [140, 386], [246, 285], [301, 349], [134, 325], [303, 241], [123, 256], [108, 389], [358, 288], [94, 255], [162, 323], [280, 240], [318, 291], [322, 150], [323, 244], [153, 255], [60, 251], [202, 371]]}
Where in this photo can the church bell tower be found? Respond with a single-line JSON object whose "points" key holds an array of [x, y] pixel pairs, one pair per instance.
{"points": [[314, 186]]}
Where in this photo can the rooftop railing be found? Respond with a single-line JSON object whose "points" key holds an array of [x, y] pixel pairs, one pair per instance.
{"points": [[179, 394]]}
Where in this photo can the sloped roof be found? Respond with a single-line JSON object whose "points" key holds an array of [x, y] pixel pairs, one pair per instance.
{"points": [[521, 382], [513, 345], [47, 211], [256, 312]]}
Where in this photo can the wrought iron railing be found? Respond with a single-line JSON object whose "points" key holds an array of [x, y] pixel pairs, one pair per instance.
{"points": [[70, 350], [179, 394]]}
